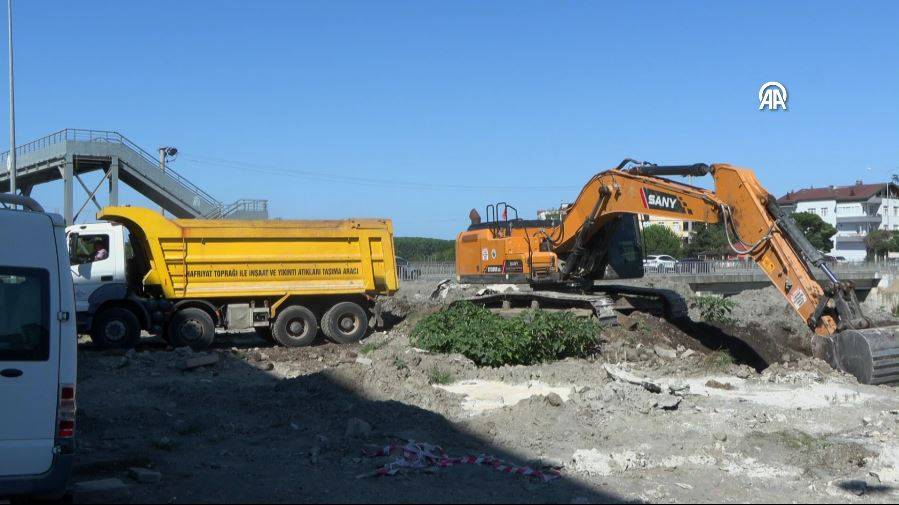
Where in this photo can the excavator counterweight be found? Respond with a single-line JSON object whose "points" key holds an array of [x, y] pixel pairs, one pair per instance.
{"points": [[598, 237]]}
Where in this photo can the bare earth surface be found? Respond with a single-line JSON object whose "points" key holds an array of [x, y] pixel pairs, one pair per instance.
{"points": [[267, 424]]}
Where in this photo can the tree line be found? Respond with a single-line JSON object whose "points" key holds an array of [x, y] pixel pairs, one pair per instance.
{"points": [[425, 249]]}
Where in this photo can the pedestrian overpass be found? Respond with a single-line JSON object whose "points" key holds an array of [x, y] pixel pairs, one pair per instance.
{"points": [[67, 154]]}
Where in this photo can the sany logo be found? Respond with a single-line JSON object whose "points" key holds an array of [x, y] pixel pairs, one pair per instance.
{"points": [[668, 202], [662, 201], [772, 95]]}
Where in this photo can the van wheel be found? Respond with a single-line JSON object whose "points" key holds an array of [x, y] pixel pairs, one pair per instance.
{"points": [[192, 327], [115, 327], [295, 326], [345, 323]]}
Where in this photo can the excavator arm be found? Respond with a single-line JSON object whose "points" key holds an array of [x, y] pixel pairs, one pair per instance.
{"points": [[755, 227]]}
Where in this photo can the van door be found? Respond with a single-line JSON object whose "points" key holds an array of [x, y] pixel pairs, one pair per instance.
{"points": [[92, 266], [29, 343]]}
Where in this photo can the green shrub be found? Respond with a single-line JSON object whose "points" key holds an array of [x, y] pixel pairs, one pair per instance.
{"points": [[535, 336], [371, 347], [714, 308], [439, 376], [718, 360]]}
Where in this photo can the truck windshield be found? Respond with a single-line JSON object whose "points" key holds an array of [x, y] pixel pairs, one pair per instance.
{"points": [[24, 314]]}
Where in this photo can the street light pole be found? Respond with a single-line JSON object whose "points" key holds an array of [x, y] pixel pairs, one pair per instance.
{"points": [[11, 161]]}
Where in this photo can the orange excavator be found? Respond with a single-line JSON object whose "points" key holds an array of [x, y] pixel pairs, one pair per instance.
{"points": [[598, 237]]}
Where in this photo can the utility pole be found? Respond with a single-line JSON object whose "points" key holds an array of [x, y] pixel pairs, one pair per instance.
{"points": [[11, 161], [165, 153], [162, 156]]}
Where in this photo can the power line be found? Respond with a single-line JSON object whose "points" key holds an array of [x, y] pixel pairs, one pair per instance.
{"points": [[362, 181]]}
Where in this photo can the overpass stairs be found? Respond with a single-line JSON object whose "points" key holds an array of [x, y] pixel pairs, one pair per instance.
{"points": [[66, 154]]}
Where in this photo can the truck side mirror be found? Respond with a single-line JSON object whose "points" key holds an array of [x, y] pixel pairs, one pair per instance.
{"points": [[73, 248]]}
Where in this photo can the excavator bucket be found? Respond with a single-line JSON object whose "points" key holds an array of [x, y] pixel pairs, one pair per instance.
{"points": [[871, 355]]}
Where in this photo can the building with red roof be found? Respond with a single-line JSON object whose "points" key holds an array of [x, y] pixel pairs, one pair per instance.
{"points": [[853, 210]]}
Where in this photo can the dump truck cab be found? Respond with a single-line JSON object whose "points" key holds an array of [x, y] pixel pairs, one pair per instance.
{"points": [[97, 259]]}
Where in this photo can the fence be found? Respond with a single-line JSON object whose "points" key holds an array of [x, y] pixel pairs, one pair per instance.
{"points": [[436, 270], [426, 270]]}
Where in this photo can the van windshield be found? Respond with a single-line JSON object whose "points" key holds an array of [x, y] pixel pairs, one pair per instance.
{"points": [[24, 314]]}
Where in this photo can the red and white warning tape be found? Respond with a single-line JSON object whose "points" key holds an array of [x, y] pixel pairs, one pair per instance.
{"points": [[422, 456]]}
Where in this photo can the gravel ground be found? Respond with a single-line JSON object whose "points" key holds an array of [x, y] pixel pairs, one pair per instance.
{"points": [[266, 424]]}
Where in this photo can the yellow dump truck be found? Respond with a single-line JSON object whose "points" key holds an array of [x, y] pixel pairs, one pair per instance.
{"points": [[182, 278]]}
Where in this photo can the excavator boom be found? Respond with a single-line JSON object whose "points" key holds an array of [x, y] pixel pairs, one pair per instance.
{"points": [[599, 233]]}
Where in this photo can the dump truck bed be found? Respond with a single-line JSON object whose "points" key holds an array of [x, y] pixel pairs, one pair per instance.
{"points": [[194, 258]]}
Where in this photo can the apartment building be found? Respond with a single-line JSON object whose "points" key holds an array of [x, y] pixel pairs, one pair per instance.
{"points": [[683, 229], [853, 210]]}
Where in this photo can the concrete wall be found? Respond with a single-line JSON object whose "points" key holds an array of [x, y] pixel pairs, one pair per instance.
{"points": [[886, 293]]}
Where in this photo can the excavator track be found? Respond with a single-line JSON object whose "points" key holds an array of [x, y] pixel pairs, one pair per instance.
{"points": [[601, 305], [603, 300], [669, 302]]}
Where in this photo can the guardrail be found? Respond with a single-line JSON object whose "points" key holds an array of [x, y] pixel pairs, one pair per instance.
{"points": [[436, 270]]}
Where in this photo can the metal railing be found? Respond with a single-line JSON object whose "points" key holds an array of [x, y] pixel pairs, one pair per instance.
{"points": [[85, 135], [426, 270], [741, 267], [436, 270], [736, 267], [245, 206]]}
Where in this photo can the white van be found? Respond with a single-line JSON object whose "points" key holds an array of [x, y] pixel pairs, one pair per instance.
{"points": [[38, 352]]}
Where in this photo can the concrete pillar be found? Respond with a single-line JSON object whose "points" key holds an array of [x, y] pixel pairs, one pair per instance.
{"points": [[114, 181], [68, 180]]}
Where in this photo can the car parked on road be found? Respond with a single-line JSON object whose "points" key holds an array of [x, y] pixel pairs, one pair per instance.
{"points": [[659, 263], [38, 353]]}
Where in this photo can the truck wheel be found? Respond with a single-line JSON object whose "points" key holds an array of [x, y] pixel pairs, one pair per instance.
{"points": [[345, 323], [192, 327], [115, 327], [295, 326]]}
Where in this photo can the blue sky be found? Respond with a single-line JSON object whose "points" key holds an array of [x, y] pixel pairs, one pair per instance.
{"points": [[421, 110]]}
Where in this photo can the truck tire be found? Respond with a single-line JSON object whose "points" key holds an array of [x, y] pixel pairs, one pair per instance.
{"points": [[345, 323], [115, 327], [295, 326], [192, 327]]}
